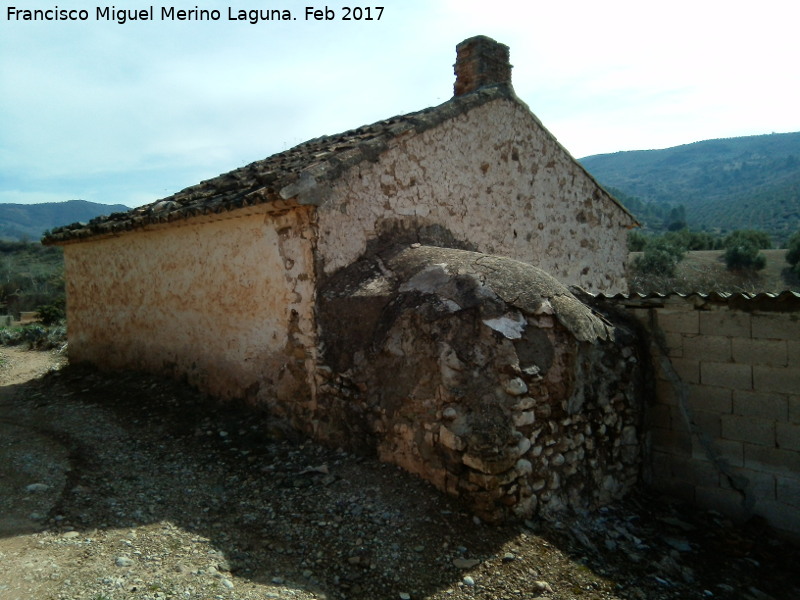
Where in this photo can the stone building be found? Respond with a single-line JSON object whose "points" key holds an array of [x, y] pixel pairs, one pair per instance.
{"points": [[260, 283]]}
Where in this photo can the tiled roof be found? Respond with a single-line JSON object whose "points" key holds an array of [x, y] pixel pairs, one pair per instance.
{"points": [[281, 176], [299, 173]]}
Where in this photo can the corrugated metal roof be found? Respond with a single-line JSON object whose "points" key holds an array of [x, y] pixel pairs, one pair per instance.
{"points": [[788, 299]]}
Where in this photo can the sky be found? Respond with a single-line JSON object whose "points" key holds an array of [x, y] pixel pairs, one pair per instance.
{"points": [[129, 113]]}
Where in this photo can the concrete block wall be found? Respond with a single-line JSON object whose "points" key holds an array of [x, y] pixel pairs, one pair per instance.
{"points": [[724, 420]]}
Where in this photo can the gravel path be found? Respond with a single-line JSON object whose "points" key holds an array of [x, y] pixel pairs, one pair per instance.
{"points": [[125, 486]]}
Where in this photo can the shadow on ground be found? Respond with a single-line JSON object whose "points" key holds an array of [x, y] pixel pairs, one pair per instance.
{"points": [[229, 493], [115, 452]]}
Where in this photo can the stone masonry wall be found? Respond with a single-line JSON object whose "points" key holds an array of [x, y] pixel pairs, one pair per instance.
{"points": [[482, 375], [498, 183], [724, 424]]}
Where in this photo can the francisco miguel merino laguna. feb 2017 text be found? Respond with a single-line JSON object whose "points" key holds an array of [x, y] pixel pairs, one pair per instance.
{"points": [[171, 13]]}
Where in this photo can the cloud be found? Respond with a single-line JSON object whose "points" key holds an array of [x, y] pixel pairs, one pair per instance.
{"points": [[100, 98], [125, 112]]}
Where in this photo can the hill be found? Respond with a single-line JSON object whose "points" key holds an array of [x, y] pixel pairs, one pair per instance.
{"points": [[726, 184], [29, 221]]}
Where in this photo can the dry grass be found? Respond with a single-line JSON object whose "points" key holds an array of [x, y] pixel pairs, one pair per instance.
{"points": [[704, 271]]}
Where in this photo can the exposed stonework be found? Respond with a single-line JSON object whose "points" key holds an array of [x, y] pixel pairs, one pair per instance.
{"points": [[480, 61], [481, 374], [525, 199]]}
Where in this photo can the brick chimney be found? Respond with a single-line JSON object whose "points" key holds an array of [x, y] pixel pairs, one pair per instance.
{"points": [[480, 61]]}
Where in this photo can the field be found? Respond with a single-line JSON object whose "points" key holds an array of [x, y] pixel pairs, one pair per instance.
{"points": [[704, 271]]}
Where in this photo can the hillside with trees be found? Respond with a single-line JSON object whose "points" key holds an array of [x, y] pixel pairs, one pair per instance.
{"points": [[31, 276], [27, 222], [714, 185]]}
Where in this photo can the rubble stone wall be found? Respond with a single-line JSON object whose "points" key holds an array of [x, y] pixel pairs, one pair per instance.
{"points": [[499, 183], [724, 423], [226, 304], [482, 375]]}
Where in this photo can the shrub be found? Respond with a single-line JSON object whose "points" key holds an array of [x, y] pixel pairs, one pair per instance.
{"points": [[636, 241], [661, 257], [696, 240], [742, 250], [51, 314], [31, 275], [793, 253], [759, 239], [35, 335], [744, 256], [683, 238]]}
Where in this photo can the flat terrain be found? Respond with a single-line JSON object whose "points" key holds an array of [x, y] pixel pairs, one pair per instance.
{"points": [[705, 271], [127, 486]]}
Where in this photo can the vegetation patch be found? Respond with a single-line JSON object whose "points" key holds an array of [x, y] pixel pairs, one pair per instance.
{"points": [[705, 271], [35, 336], [31, 276], [687, 261], [743, 250], [793, 254]]}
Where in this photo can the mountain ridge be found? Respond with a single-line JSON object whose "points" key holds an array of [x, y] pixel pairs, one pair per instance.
{"points": [[724, 183], [27, 222]]}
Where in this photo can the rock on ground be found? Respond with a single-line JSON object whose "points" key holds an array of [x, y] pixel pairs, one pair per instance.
{"points": [[120, 486]]}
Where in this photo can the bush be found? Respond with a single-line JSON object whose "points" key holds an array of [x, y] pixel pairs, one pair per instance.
{"points": [[742, 250], [759, 239], [793, 253], [744, 256], [695, 240], [51, 314], [683, 238], [661, 257], [36, 336], [636, 241], [31, 275]]}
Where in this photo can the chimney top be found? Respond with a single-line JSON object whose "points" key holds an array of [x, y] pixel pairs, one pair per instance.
{"points": [[480, 61]]}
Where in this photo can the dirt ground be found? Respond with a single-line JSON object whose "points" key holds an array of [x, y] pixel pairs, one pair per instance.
{"points": [[127, 486]]}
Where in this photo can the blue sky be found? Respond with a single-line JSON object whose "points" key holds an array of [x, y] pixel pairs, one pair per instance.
{"points": [[130, 113]]}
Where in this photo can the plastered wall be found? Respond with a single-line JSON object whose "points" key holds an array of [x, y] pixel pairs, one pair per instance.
{"points": [[227, 303], [724, 423], [499, 183]]}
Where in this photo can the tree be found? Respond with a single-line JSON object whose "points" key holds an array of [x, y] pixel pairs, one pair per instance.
{"points": [[636, 241], [661, 257], [760, 239], [692, 240], [742, 250], [677, 219], [744, 256], [793, 253]]}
